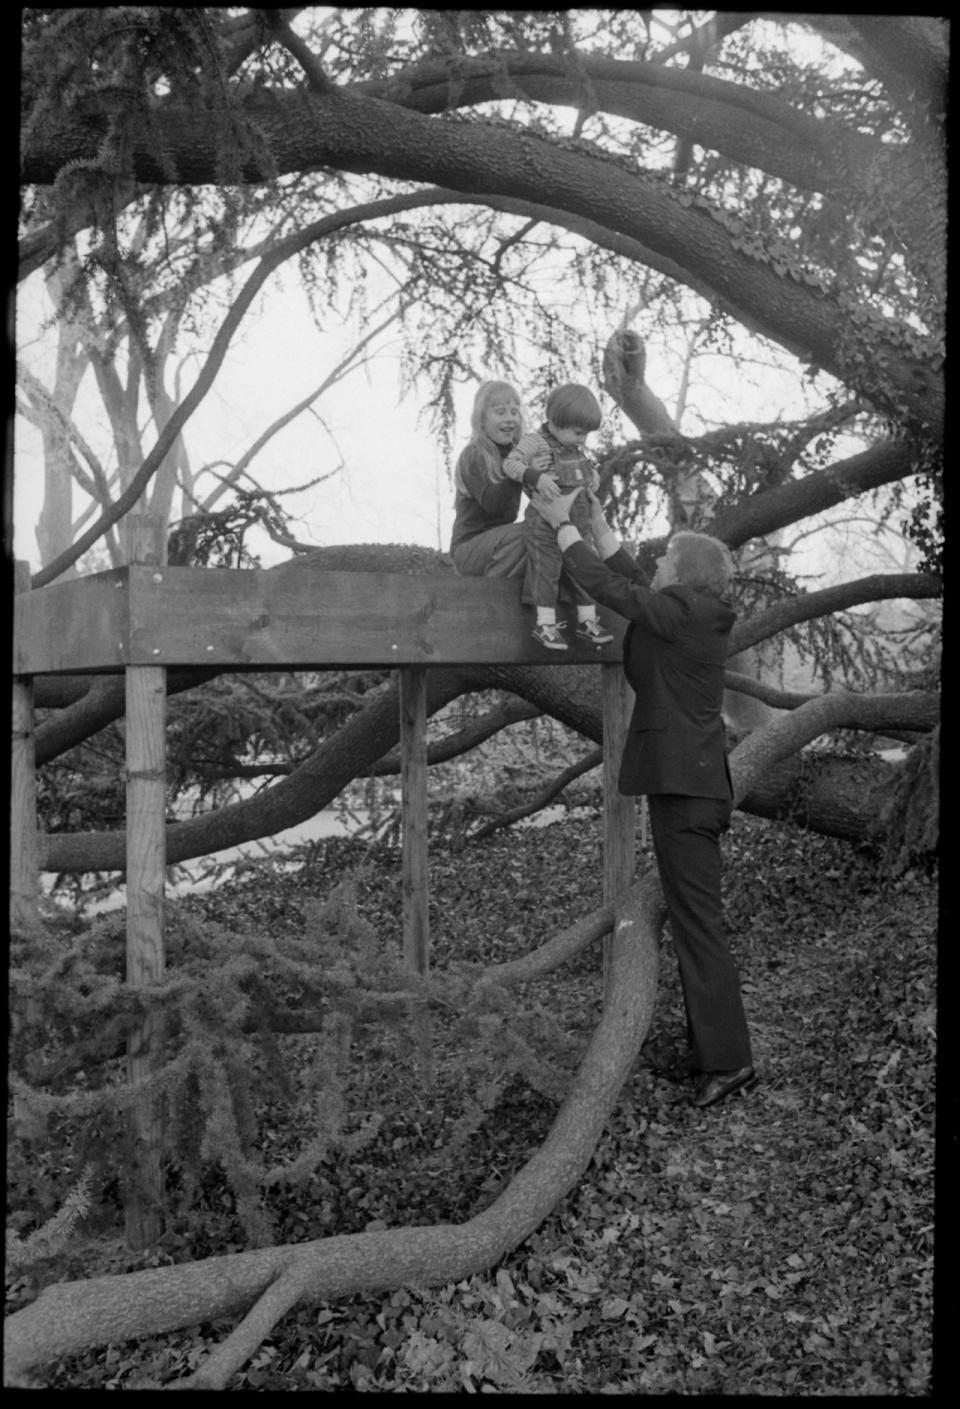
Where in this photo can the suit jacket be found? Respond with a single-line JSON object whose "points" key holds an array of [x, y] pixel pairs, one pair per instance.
{"points": [[673, 656]]}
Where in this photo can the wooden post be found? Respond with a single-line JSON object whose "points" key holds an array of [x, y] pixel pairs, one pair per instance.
{"points": [[24, 837], [416, 891], [413, 811], [146, 699], [619, 812]]}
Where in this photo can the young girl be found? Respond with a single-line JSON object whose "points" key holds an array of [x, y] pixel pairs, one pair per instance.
{"points": [[555, 454], [486, 540]]}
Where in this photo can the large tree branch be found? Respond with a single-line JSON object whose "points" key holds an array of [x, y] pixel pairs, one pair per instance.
{"points": [[787, 734], [461, 741], [807, 606], [743, 124], [365, 135], [351, 752], [749, 127], [766, 513], [762, 691], [101, 704], [836, 796]]}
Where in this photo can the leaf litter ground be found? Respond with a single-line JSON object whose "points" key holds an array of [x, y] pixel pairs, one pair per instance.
{"points": [[779, 1244]]}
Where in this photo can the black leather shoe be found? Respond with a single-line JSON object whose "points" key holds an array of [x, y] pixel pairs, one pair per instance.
{"points": [[715, 1086]]}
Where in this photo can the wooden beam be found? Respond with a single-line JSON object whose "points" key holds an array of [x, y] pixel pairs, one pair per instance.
{"points": [[245, 619], [415, 859], [24, 840], [146, 699], [413, 811], [77, 626]]}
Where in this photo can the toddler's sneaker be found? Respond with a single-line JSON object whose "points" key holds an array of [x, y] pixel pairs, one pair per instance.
{"points": [[592, 631], [550, 634]]}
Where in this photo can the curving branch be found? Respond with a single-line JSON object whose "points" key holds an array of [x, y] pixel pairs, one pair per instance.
{"points": [[356, 133], [840, 709], [543, 799], [745, 125], [261, 1285], [296, 798], [766, 694], [762, 514], [102, 703], [807, 606], [462, 741]]}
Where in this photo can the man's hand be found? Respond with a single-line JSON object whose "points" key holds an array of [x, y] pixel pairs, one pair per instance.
{"points": [[554, 508], [547, 487], [598, 524]]}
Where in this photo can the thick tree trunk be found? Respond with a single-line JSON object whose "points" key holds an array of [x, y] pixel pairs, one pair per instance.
{"points": [[265, 1283]]}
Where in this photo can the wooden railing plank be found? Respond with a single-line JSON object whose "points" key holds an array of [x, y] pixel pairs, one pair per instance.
{"points": [[247, 619], [146, 748], [72, 627]]}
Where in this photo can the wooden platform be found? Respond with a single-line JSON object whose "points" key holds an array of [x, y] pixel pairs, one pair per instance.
{"points": [[292, 617], [140, 620]]}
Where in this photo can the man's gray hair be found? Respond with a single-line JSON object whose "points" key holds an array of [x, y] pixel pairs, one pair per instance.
{"points": [[703, 562]]}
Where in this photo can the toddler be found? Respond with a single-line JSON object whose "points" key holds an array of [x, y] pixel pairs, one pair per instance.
{"points": [[556, 450]]}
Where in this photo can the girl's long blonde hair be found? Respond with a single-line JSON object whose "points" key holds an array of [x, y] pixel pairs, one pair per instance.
{"points": [[487, 393]]}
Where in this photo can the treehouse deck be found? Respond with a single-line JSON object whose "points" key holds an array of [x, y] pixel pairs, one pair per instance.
{"points": [[142, 619], [292, 617]]}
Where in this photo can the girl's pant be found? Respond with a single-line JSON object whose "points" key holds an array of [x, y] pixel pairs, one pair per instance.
{"points": [[497, 552]]}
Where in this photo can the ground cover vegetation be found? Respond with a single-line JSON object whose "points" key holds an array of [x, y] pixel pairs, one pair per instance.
{"points": [[781, 1244], [730, 194]]}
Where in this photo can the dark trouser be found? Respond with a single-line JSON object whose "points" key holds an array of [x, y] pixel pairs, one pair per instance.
{"points": [[686, 838]]}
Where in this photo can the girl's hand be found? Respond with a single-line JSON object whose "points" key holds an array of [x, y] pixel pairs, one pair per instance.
{"points": [[556, 508]]}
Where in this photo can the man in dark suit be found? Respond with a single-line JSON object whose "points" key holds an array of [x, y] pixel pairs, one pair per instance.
{"points": [[673, 656]]}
